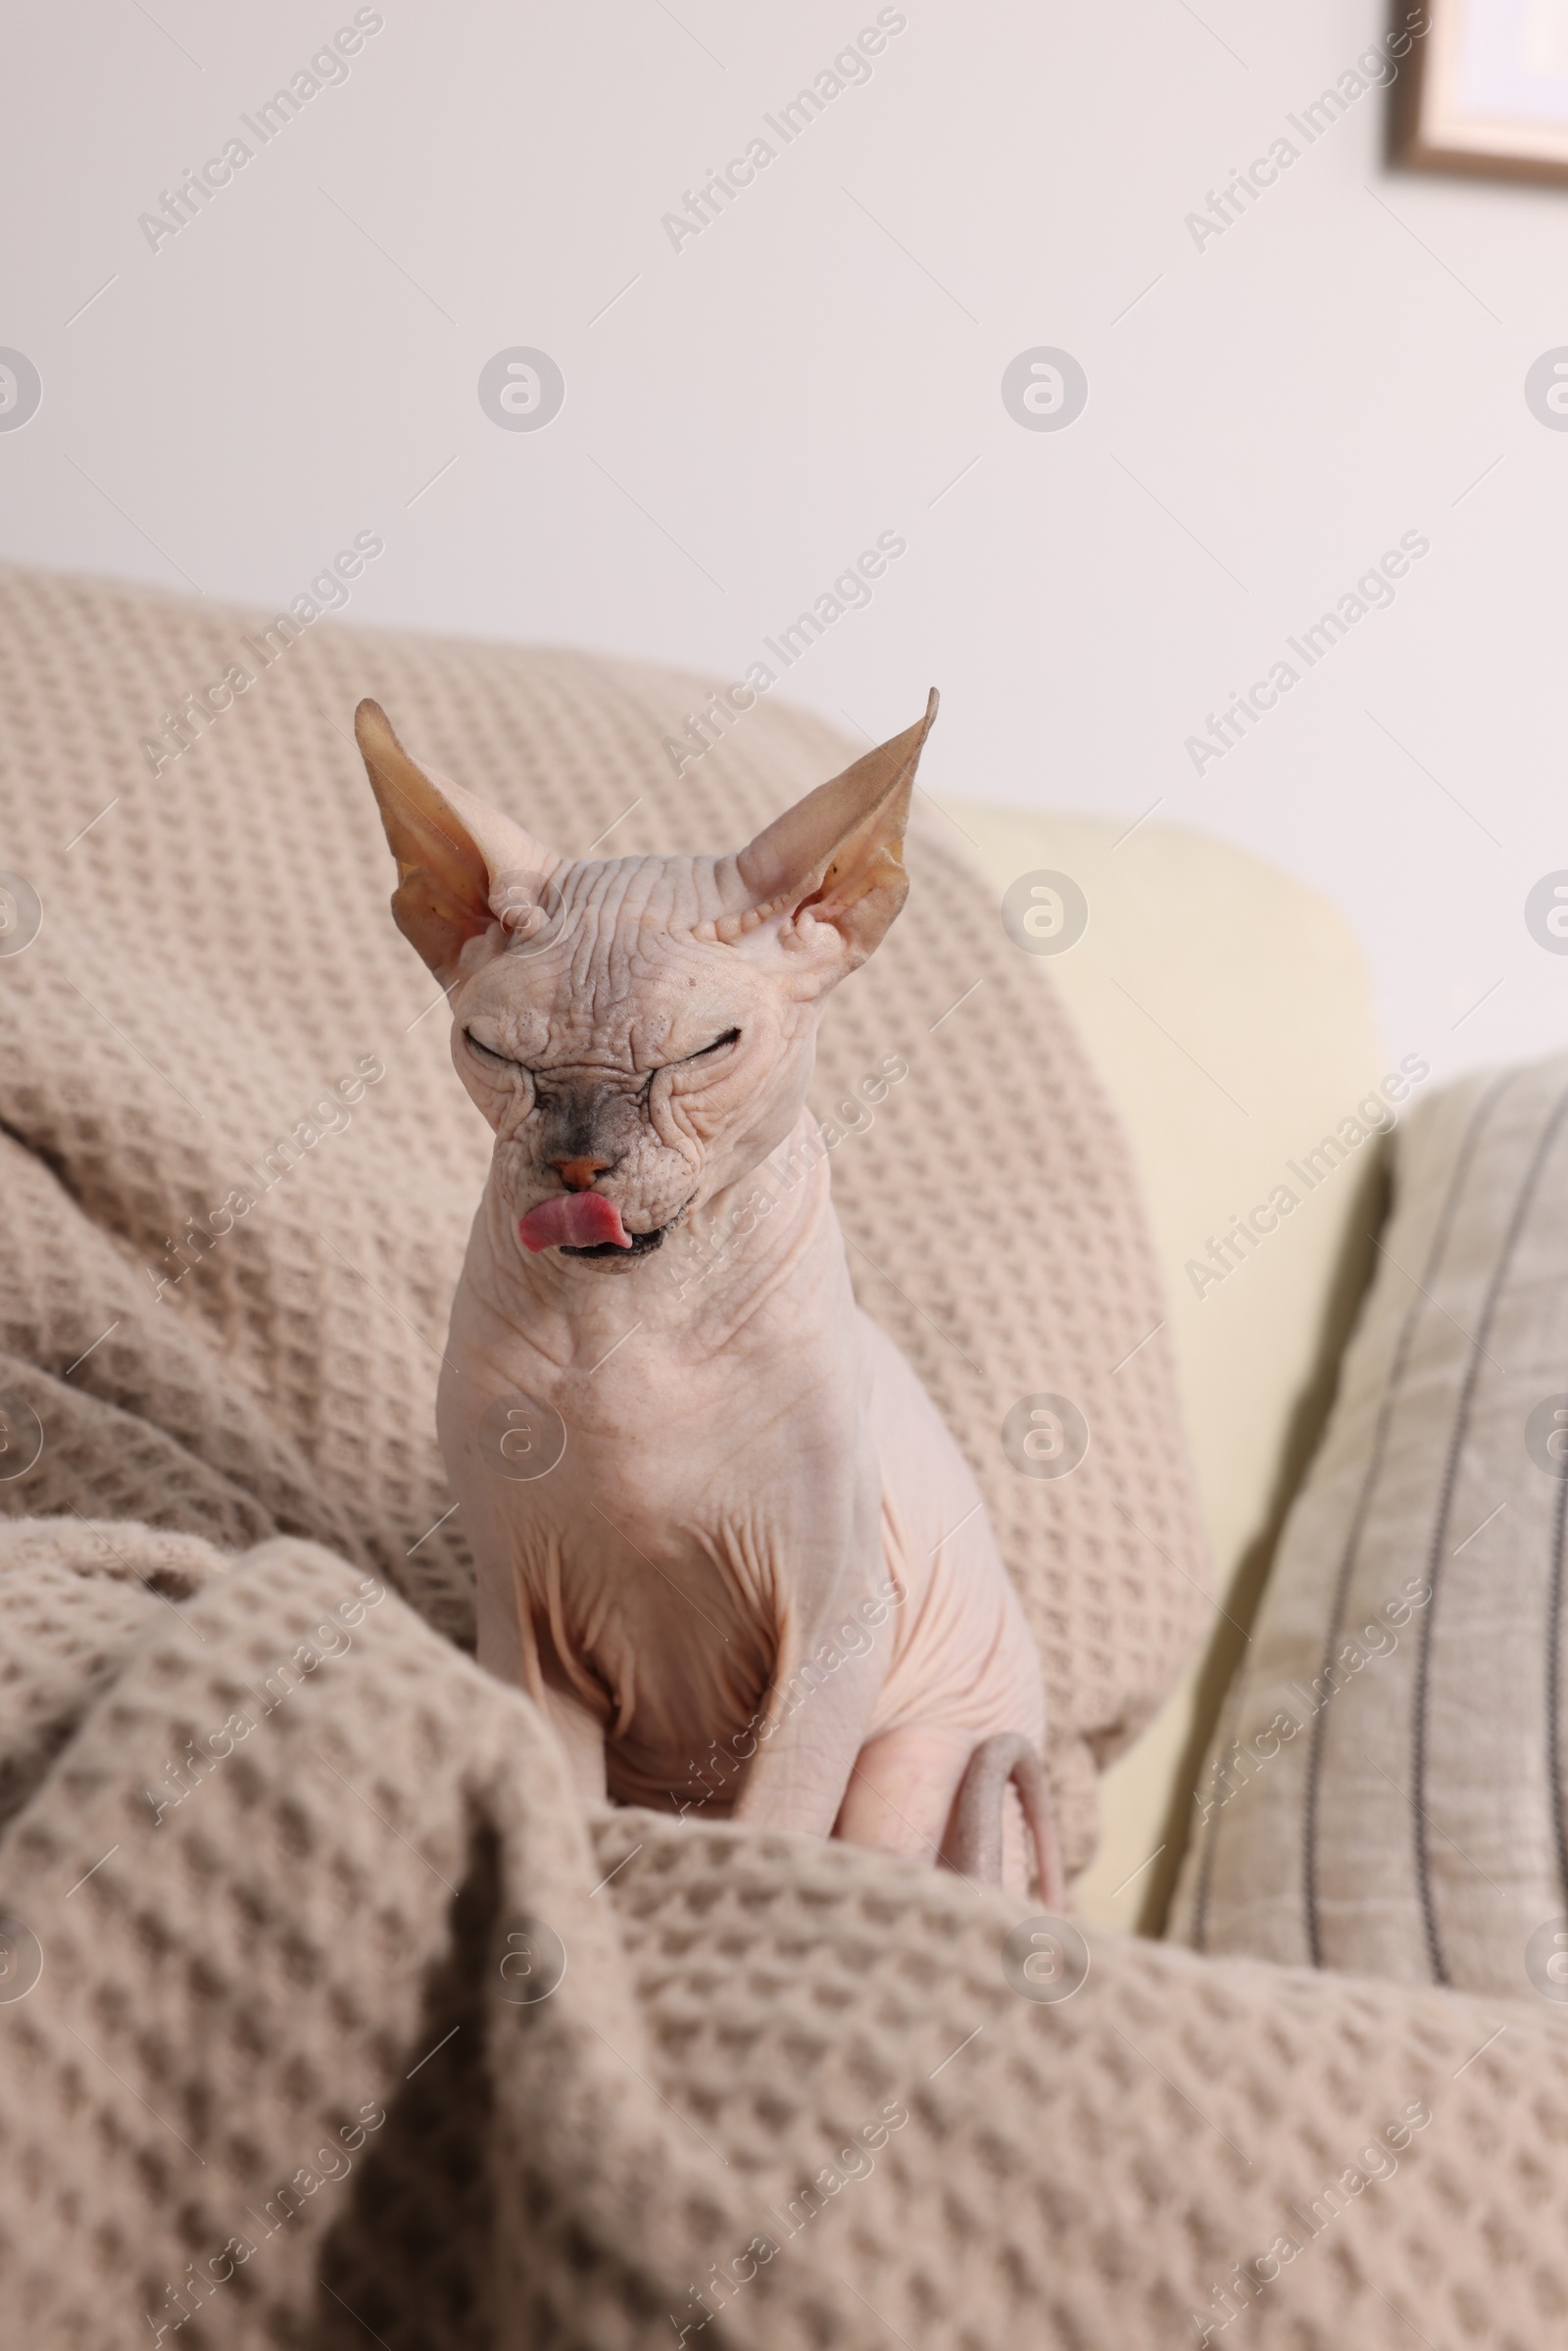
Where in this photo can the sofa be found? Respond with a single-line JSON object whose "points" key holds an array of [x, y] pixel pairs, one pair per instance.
{"points": [[325, 2009]]}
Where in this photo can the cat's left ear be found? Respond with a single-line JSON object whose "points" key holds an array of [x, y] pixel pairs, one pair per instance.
{"points": [[827, 878], [464, 868]]}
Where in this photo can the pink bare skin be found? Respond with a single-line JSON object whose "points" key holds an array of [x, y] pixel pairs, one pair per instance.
{"points": [[758, 1582]]}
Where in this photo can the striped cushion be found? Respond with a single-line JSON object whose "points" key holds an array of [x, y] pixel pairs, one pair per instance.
{"points": [[1386, 1790]]}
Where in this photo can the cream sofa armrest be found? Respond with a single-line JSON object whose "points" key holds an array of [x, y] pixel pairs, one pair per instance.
{"points": [[1230, 1015]]}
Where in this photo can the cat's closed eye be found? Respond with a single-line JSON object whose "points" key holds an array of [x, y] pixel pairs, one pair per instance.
{"points": [[488, 1052], [730, 1037]]}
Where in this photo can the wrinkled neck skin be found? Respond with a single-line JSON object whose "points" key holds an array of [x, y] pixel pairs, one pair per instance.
{"points": [[698, 1289]]}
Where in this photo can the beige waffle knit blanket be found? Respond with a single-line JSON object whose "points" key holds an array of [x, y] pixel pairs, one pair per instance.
{"points": [[272, 2086], [276, 1862]]}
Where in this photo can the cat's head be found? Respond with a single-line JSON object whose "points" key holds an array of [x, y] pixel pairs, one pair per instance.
{"points": [[638, 1031]]}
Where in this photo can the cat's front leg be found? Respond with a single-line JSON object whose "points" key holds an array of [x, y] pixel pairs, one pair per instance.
{"points": [[814, 1724], [827, 1678]]}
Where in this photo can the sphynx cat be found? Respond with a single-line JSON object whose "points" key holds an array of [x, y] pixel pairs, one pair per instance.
{"points": [[759, 1579]]}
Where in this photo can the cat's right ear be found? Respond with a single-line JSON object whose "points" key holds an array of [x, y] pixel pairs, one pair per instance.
{"points": [[464, 868], [827, 878]]}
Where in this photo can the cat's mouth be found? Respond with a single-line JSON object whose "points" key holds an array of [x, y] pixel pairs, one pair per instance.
{"points": [[636, 1244], [585, 1224]]}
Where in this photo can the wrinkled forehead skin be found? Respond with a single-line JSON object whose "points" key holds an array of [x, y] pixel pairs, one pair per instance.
{"points": [[626, 974]]}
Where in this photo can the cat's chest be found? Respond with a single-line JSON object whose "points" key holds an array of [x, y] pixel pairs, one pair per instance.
{"points": [[630, 1562], [666, 1621], [637, 1454]]}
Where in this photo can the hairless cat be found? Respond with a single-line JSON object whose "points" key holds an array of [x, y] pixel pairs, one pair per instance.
{"points": [[751, 1537]]}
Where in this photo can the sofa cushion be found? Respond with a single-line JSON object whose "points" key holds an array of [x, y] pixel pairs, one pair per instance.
{"points": [[1385, 1794]]}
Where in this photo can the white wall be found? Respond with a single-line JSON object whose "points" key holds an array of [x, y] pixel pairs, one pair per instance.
{"points": [[1335, 369]]}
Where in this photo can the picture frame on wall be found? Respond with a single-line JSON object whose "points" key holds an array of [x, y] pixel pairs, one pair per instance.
{"points": [[1486, 91]]}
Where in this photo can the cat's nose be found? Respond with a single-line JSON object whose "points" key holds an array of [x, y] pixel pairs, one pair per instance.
{"points": [[578, 1174]]}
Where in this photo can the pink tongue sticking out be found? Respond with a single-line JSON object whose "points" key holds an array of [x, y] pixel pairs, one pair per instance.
{"points": [[573, 1220]]}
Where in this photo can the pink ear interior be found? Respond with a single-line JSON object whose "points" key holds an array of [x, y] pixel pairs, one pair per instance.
{"points": [[456, 857], [839, 851]]}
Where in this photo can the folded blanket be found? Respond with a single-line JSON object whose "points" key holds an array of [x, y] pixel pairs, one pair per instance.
{"points": [[344, 2026]]}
